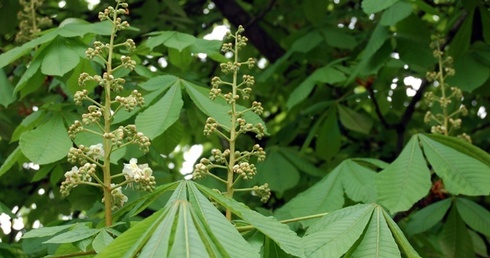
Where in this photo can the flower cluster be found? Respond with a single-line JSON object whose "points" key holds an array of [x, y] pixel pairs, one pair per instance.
{"points": [[263, 191], [238, 164], [447, 119], [77, 176], [140, 174], [30, 22], [131, 101], [118, 198], [100, 116], [82, 154]]}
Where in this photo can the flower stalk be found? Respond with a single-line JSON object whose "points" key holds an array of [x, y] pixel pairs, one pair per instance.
{"points": [[101, 115]]}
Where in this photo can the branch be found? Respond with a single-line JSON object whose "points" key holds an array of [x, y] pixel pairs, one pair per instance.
{"points": [[266, 45]]}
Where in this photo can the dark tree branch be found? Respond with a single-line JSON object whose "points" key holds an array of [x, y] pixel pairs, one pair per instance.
{"points": [[257, 36]]}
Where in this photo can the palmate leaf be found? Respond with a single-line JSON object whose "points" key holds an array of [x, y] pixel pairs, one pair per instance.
{"points": [[405, 181], [281, 234], [10, 161], [377, 240], [188, 226], [460, 173], [335, 233]]}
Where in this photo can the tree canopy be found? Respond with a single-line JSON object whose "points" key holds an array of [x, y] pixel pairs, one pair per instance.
{"points": [[363, 128]]}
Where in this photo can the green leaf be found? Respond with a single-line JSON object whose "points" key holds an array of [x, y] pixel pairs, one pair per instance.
{"points": [[73, 236], [315, 11], [80, 28], [102, 240], [377, 240], [355, 121], [326, 195], [6, 91], [158, 117], [427, 217], [374, 6], [306, 43], [61, 56], [335, 233], [46, 231], [405, 181], [277, 165], [471, 74], [212, 48], [474, 215], [359, 182], [478, 244], [13, 158], [329, 138], [188, 226], [271, 250], [337, 37], [159, 83], [395, 13], [217, 109], [326, 74], [47, 143], [171, 39], [181, 59], [301, 163], [13, 54], [401, 240], [462, 40], [224, 231], [454, 239], [462, 146], [32, 74], [460, 173], [269, 226], [6, 210]]}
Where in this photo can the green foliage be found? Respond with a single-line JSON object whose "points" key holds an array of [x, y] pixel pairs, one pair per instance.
{"points": [[351, 170]]}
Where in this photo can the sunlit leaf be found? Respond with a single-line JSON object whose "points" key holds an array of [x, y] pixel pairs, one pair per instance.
{"points": [[377, 240], [154, 120], [285, 238], [344, 226], [47, 143], [405, 181], [374, 6], [460, 173]]}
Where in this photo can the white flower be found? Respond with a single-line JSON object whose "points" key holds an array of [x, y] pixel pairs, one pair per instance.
{"points": [[96, 151], [131, 169], [72, 175], [137, 172]]}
